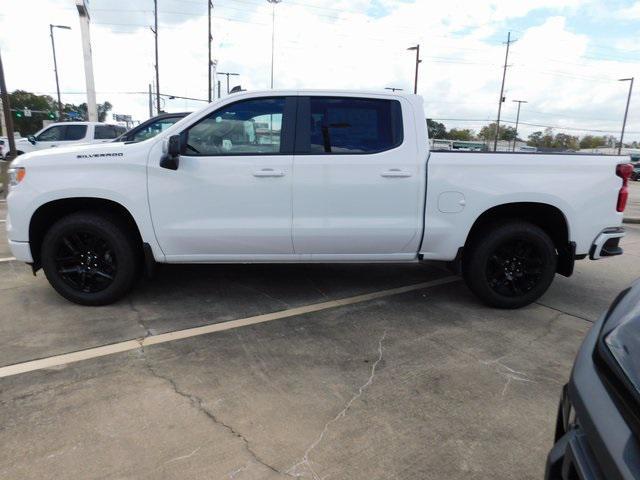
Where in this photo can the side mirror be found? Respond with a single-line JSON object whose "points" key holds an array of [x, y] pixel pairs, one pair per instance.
{"points": [[171, 159], [31, 139]]}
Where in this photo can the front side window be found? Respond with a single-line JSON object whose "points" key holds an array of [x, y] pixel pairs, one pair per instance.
{"points": [[153, 129], [75, 132], [354, 125], [104, 132], [52, 134], [250, 127]]}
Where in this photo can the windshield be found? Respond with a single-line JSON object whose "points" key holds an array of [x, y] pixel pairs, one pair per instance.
{"points": [[150, 130]]}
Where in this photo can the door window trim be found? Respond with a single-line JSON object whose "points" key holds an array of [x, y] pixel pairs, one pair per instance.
{"points": [[303, 126], [287, 132]]}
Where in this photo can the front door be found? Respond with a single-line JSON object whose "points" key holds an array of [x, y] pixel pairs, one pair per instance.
{"points": [[358, 182], [60, 136], [230, 198]]}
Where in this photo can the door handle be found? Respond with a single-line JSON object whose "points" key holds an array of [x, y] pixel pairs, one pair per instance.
{"points": [[395, 172], [268, 172]]}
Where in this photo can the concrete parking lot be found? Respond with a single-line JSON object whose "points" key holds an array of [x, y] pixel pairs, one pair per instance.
{"points": [[414, 383]]}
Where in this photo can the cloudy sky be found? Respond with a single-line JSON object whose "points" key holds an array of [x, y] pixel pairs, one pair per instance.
{"points": [[565, 62]]}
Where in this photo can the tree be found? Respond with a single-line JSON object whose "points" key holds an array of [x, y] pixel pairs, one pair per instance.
{"points": [[41, 106], [436, 129], [488, 132], [591, 141], [461, 134], [565, 142], [535, 139], [44, 107], [80, 112], [548, 139]]}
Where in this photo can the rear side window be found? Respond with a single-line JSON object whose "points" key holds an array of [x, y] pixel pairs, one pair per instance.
{"points": [[343, 125], [105, 132], [75, 132]]}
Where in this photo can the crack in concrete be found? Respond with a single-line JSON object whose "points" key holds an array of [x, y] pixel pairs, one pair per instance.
{"points": [[141, 323], [507, 372], [198, 404], [565, 312], [305, 463]]}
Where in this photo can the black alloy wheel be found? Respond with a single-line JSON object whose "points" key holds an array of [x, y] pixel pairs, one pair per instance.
{"points": [[509, 264], [86, 261], [515, 268], [91, 258]]}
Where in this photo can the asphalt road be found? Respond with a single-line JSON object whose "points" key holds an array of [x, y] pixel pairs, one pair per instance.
{"points": [[423, 384]]}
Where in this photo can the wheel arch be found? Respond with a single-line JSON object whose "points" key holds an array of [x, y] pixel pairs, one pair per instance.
{"points": [[49, 213], [548, 217]]}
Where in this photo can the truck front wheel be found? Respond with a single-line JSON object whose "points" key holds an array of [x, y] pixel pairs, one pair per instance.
{"points": [[509, 265], [89, 258]]}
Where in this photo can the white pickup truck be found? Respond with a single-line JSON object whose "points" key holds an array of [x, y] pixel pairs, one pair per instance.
{"points": [[64, 134], [310, 176]]}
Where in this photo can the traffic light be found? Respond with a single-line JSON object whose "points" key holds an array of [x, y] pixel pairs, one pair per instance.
{"points": [[51, 115], [19, 114]]}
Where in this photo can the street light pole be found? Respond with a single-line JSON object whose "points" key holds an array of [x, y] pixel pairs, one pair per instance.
{"points": [[273, 32], [55, 64], [155, 35], [626, 110], [210, 63], [393, 89], [418, 61], [228, 74], [519, 102]]}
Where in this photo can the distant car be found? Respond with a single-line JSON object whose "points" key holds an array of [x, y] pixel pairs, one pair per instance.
{"points": [[635, 175], [151, 127], [63, 134], [598, 424], [527, 148]]}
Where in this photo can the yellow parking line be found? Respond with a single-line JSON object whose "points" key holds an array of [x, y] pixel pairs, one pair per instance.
{"points": [[58, 360]]}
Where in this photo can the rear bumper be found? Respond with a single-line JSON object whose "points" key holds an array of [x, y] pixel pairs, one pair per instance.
{"points": [[607, 243], [21, 250]]}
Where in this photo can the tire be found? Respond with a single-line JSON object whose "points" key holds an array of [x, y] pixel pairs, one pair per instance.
{"points": [[509, 265], [90, 258]]}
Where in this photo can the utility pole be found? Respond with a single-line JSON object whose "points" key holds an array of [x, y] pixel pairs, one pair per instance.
{"points": [[155, 34], [6, 108], [626, 111], [273, 33], [92, 107], [519, 102], [219, 95], [501, 99], [55, 65], [418, 61], [150, 102], [210, 65], [228, 74]]}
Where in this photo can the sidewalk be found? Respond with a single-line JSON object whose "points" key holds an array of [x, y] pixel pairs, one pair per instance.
{"points": [[632, 212]]}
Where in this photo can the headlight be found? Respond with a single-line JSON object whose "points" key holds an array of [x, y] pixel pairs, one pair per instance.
{"points": [[16, 175], [623, 342]]}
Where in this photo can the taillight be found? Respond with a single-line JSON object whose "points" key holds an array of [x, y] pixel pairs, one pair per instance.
{"points": [[623, 170]]}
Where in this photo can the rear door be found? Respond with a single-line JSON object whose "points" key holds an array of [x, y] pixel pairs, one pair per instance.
{"points": [[104, 133], [357, 187]]}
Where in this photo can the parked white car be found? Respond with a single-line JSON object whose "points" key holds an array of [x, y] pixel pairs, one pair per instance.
{"points": [[63, 134], [310, 176]]}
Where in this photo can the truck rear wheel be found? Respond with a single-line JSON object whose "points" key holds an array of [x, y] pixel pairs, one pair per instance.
{"points": [[509, 265], [89, 259]]}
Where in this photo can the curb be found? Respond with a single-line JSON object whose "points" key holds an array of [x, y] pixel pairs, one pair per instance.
{"points": [[634, 220]]}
